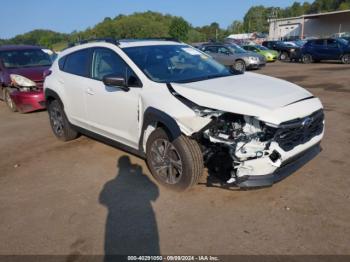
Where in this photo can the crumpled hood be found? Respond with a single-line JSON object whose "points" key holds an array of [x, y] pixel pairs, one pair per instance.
{"points": [[249, 93]]}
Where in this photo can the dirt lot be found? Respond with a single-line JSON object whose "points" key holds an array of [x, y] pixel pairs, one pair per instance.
{"points": [[85, 197]]}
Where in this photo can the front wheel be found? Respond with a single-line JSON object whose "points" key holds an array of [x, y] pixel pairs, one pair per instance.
{"points": [[307, 59], [59, 122], [239, 66], [177, 164], [346, 59], [284, 56], [9, 102]]}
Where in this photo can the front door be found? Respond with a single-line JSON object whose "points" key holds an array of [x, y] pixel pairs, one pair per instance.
{"points": [[113, 112]]}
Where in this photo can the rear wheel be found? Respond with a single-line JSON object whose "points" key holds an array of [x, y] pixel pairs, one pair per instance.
{"points": [[59, 122], [307, 59], [9, 102], [346, 59], [239, 65], [176, 164]]}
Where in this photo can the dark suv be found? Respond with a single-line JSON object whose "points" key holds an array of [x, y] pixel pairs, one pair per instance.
{"points": [[326, 49], [287, 52]]}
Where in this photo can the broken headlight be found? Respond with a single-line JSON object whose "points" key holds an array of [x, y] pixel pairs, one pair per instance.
{"points": [[22, 83]]}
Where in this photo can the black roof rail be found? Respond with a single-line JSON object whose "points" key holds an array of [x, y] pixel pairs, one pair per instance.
{"points": [[85, 41], [152, 38], [117, 41]]}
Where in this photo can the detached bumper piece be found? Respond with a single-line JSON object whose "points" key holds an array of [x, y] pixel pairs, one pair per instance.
{"points": [[28, 101], [287, 169]]}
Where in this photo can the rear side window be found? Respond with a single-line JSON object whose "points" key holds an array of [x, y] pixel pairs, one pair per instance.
{"points": [[318, 42], [77, 63], [332, 43]]}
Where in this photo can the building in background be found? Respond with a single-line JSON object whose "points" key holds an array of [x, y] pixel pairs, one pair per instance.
{"points": [[308, 26]]}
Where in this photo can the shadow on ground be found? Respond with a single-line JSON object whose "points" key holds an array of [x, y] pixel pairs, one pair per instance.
{"points": [[131, 226]]}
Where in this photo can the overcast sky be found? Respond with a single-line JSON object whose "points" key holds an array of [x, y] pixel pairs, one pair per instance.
{"points": [[20, 16]]}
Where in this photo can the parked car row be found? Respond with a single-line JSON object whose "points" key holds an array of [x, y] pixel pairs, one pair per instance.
{"points": [[22, 72], [312, 50], [233, 56]]}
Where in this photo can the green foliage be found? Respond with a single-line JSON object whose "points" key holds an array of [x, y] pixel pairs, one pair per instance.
{"points": [[152, 24], [179, 29], [256, 19], [236, 27], [44, 38]]}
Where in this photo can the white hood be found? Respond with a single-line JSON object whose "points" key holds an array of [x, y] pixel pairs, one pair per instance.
{"points": [[248, 94]]}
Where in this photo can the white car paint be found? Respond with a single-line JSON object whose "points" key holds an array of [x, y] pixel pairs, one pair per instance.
{"points": [[118, 115]]}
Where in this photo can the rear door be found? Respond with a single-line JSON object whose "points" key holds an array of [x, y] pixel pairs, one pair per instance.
{"points": [[319, 49], [74, 78], [334, 50]]}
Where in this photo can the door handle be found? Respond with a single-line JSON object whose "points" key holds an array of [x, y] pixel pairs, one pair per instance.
{"points": [[89, 91]]}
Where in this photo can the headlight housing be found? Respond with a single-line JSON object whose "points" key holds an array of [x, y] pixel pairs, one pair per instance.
{"points": [[22, 82], [254, 59]]}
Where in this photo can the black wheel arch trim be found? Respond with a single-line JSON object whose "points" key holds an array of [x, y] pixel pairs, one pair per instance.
{"points": [[50, 93], [154, 116]]}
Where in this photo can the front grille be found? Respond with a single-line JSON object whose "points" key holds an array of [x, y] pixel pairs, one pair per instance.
{"points": [[300, 131]]}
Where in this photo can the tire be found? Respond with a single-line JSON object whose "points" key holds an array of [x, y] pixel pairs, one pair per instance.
{"points": [[307, 59], [345, 59], [239, 66], [60, 125], [284, 56], [180, 166], [8, 100]]}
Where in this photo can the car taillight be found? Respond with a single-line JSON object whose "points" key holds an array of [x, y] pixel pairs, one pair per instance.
{"points": [[47, 73]]}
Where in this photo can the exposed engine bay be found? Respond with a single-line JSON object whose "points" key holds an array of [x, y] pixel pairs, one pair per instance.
{"points": [[237, 146], [230, 140]]}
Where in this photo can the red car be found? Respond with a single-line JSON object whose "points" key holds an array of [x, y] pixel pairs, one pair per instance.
{"points": [[22, 71]]}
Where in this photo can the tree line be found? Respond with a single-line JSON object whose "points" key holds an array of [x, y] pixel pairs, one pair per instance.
{"points": [[152, 24]]}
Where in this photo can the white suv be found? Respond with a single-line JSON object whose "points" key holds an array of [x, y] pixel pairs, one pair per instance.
{"points": [[181, 110]]}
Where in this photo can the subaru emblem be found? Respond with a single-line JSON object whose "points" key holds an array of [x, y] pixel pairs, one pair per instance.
{"points": [[307, 121]]}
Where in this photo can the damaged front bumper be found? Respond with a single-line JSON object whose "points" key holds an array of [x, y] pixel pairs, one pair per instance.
{"points": [[286, 169]]}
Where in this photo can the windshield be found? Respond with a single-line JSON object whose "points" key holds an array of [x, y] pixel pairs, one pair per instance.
{"points": [[236, 49], [25, 58], [175, 63], [260, 47]]}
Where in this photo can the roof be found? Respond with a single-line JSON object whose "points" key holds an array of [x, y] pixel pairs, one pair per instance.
{"points": [[134, 43], [120, 43], [18, 47], [312, 15], [124, 43]]}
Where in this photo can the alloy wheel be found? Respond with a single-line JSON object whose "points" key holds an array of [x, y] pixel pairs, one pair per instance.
{"points": [[346, 59], [166, 161], [239, 66], [56, 120], [307, 59]]}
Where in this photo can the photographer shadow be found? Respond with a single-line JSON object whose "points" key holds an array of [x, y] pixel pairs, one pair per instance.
{"points": [[131, 226]]}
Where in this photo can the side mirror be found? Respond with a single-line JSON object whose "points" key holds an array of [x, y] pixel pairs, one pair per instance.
{"points": [[116, 81]]}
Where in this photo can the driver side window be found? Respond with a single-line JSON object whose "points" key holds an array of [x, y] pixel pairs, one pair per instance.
{"points": [[107, 62]]}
